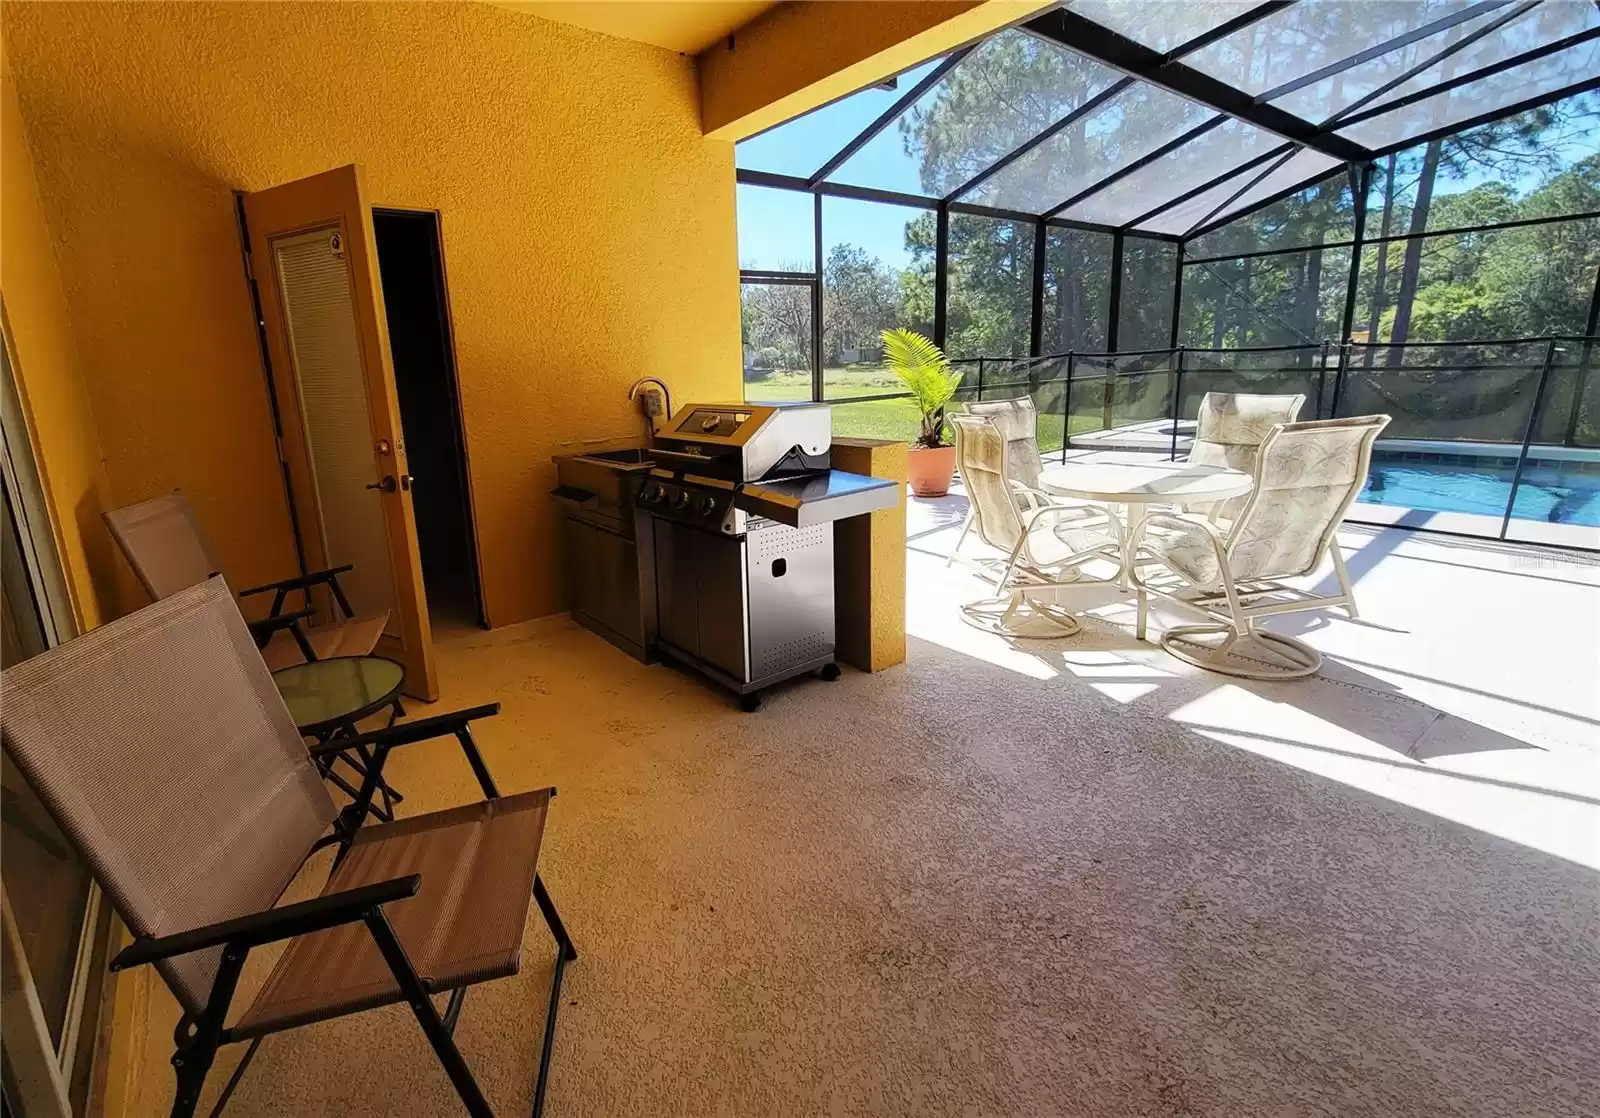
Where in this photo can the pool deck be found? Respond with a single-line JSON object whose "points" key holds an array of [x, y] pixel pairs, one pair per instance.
{"points": [[1467, 689]]}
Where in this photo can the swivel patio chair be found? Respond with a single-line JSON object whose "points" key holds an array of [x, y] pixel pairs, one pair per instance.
{"points": [[1306, 476], [1228, 432], [1018, 423], [162, 748], [164, 545], [1047, 542]]}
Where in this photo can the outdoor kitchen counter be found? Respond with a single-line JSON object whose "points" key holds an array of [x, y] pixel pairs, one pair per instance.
{"points": [[869, 562]]}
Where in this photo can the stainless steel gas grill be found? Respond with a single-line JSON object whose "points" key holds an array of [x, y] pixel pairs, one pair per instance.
{"points": [[737, 518]]}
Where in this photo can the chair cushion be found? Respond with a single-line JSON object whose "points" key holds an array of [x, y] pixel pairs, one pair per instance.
{"points": [[1187, 551], [356, 637], [465, 924]]}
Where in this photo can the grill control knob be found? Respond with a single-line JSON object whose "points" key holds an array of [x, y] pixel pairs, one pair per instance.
{"points": [[708, 505], [652, 494], [681, 501]]}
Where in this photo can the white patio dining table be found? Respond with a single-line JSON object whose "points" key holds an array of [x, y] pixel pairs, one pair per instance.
{"points": [[1137, 485]]}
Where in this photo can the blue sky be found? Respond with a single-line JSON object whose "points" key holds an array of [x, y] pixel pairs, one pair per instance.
{"points": [[768, 235], [775, 228], [775, 225]]}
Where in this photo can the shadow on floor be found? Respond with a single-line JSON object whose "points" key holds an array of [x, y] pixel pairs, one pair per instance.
{"points": [[1341, 695]]}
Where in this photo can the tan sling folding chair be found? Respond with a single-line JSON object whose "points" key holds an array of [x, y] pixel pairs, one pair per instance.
{"points": [[163, 749], [163, 543], [167, 550]]}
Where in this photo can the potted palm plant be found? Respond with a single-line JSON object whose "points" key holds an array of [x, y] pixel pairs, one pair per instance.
{"points": [[925, 371]]}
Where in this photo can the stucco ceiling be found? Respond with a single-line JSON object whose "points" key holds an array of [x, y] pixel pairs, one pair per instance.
{"points": [[681, 25]]}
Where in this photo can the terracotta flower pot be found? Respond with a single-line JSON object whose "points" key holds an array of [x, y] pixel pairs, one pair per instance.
{"points": [[930, 470]]}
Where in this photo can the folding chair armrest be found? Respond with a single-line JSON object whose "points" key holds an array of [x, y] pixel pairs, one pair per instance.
{"points": [[345, 907], [269, 625], [456, 724], [304, 583], [261, 631], [299, 582], [407, 733]]}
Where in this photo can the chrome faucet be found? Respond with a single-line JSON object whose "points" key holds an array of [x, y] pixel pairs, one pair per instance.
{"points": [[655, 401]]}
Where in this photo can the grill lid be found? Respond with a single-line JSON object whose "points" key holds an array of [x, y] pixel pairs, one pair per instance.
{"points": [[747, 442]]}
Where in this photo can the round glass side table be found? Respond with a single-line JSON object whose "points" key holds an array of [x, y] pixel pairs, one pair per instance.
{"points": [[327, 698]]}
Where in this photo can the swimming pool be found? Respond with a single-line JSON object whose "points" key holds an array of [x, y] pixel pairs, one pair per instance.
{"points": [[1559, 492]]}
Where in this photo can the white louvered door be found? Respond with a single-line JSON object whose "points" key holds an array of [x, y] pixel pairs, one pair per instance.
{"points": [[314, 261], [320, 317]]}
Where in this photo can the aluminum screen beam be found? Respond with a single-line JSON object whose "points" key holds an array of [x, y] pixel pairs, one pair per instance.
{"points": [[1018, 152], [1139, 164], [864, 137], [1068, 29], [1461, 44], [1279, 154], [1221, 31], [750, 177], [1460, 80], [1255, 180], [1228, 27], [1588, 85], [1399, 41], [1213, 223]]}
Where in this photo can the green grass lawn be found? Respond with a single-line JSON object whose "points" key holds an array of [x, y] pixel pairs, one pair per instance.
{"points": [[881, 419]]}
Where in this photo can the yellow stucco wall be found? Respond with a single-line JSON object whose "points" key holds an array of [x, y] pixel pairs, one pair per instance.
{"points": [[588, 232], [45, 366]]}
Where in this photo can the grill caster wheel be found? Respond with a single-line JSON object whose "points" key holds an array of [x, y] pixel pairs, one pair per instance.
{"points": [[750, 703], [829, 672]]}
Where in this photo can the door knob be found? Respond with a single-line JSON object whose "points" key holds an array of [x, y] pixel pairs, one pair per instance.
{"points": [[387, 484]]}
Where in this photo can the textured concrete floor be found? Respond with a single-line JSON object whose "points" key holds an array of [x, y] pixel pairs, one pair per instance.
{"points": [[1468, 688], [999, 880]]}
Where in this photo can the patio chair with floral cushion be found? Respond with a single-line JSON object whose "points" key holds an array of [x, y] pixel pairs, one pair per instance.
{"points": [[1306, 476], [1228, 431], [1018, 423], [1047, 542], [164, 751]]}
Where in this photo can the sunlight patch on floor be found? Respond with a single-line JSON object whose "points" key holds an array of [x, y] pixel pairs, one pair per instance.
{"points": [[1422, 700]]}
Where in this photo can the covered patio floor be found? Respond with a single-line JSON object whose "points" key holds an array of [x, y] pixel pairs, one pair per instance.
{"points": [[1469, 687], [1018, 878]]}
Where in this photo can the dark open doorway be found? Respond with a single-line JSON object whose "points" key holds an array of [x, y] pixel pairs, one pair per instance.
{"points": [[411, 264]]}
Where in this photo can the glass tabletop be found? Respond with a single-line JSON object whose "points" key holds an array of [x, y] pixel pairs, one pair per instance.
{"points": [[325, 693]]}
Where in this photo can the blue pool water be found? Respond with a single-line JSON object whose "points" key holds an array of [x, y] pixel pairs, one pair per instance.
{"points": [[1557, 492]]}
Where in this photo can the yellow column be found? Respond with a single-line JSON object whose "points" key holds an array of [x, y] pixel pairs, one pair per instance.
{"points": [[869, 562]]}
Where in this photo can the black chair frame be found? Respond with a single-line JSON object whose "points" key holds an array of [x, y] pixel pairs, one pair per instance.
{"points": [[198, 1038]]}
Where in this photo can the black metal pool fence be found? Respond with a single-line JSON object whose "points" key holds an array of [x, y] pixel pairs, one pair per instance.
{"points": [[1504, 404]]}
